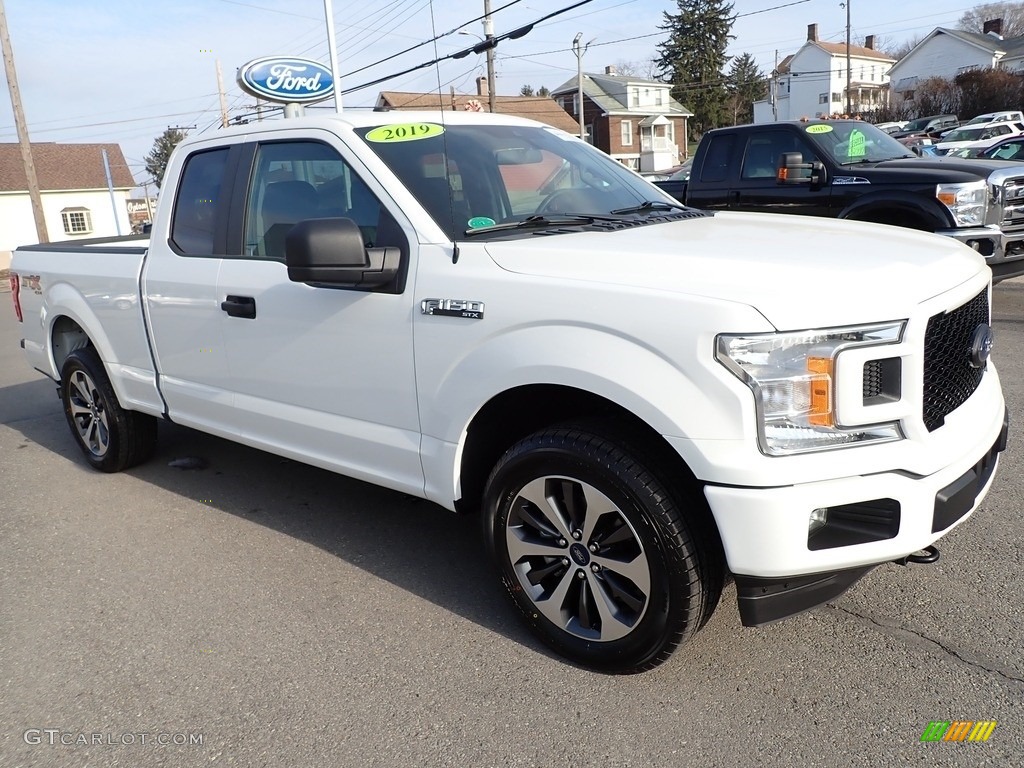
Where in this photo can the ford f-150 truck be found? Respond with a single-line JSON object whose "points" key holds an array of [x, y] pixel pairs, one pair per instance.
{"points": [[848, 169], [638, 399]]}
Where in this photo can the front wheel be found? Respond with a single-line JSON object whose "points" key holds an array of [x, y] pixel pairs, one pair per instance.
{"points": [[595, 551], [111, 438]]}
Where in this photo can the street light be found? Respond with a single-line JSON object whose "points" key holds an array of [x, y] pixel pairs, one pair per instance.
{"points": [[579, 78]]}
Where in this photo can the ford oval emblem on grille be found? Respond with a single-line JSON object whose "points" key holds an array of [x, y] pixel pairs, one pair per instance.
{"points": [[981, 345]]}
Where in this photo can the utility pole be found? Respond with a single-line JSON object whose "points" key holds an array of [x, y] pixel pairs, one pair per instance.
{"points": [[579, 79], [775, 89], [333, 50], [19, 122], [489, 37], [849, 109], [223, 98]]}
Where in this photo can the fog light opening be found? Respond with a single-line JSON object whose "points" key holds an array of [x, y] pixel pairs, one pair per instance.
{"points": [[817, 521]]}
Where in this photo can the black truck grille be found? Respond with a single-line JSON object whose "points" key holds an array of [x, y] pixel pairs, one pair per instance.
{"points": [[949, 377]]}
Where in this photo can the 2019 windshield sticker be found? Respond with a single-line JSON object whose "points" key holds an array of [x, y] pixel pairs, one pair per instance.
{"points": [[819, 128], [389, 134]]}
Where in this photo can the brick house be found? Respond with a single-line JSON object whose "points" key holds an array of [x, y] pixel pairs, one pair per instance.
{"points": [[634, 120]]}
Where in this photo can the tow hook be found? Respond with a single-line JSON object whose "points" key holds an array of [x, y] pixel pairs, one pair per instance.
{"points": [[924, 556]]}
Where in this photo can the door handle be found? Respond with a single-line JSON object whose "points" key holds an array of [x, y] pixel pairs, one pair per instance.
{"points": [[240, 306]]}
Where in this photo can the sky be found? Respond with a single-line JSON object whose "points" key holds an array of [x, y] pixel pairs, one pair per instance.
{"points": [[123, 71]]}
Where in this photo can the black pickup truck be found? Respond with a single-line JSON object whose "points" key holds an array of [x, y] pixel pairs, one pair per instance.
{"points": [[849, 169]]}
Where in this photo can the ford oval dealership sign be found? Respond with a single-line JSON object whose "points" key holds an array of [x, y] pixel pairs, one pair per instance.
{"points": [[287, 80]]}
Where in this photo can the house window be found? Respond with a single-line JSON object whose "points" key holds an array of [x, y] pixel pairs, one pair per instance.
{"points": [[659, 97], [823, 98], [837, 97], [627, 132], [908, 95], [77, 221]]}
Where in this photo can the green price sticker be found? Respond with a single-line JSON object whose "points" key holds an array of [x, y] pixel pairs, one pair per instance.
{"points": [[404, 132], [819, 128], [857, 148], [481, 221]]}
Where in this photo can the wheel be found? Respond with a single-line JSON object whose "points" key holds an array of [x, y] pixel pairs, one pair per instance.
{"points": [[595, 551], [110, 437]]}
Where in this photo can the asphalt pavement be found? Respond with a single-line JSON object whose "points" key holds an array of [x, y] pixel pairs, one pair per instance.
{"points": [[259, 612]]}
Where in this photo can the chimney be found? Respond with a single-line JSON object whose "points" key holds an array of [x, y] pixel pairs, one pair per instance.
{"points": [[995, 26], [812, 33], [481, 86], [610, 70], [869, 42]]}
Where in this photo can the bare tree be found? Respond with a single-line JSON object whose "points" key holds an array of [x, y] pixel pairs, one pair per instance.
{"points": [[899, 50], [1012, 15]]}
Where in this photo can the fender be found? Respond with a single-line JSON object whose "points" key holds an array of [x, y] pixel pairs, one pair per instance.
{"points": [[675, 398], [930, 210]]}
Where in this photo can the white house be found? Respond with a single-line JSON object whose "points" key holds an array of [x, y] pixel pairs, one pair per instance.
{"points": [[812, 81], [948, 52], [73, 185]]}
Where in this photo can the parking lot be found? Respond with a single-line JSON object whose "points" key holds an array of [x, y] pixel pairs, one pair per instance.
{"points": [[286, 616]]}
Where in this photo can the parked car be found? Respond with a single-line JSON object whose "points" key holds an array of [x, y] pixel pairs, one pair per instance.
{"points": [[991, 117], [892, 127], [1007, 149], [927, 126], [676, 182], [981, 136]]}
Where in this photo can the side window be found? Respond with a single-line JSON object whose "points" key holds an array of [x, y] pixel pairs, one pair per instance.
{"points": [[297, 180], [761, 160], [716, 160], [195, 207]]}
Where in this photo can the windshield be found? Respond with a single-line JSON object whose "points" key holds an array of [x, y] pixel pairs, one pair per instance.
{"points": [[854, 141], [918, 125], [967, 134], [471, 177]]}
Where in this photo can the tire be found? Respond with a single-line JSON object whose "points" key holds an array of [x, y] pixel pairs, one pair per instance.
{"points": [[111, 438], [594, 550]]}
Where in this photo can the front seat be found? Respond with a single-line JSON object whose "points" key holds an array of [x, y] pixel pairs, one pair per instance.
{"points": [[285, 204]]}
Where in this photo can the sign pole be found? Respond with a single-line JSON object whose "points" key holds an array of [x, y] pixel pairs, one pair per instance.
{"points": [[333, 46]]}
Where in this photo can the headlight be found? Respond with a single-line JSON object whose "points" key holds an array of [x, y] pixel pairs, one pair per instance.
{"points": [[792, 376], [968, 202]]}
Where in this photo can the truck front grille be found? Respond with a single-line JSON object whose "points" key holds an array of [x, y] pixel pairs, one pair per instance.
{"points": [[949, 377], [1013, 203]]}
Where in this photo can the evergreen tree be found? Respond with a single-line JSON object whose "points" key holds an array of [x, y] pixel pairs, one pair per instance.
{"points": [[747, 84], [543, 91], [156, 160], [526, 90], [693, 59]]}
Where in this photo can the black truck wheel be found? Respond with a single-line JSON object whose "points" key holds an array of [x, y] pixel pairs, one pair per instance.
{"points": [[595, 551], [111, 438]]}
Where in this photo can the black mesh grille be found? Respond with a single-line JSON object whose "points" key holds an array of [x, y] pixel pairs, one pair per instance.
{"points": [[872, 379], [949, 378]]}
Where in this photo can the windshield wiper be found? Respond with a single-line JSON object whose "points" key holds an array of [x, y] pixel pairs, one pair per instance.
{"points": [[538, 220], [651, 205]]}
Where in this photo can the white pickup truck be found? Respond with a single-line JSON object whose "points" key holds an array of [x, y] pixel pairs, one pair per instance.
{"points": [[639, 400]]}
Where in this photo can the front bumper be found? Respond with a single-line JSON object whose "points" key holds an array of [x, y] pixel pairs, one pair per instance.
{"points": [[1004, 253], [780, 569]]}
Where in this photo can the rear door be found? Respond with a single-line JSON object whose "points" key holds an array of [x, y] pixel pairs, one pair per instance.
{"points": [[323, 374], [711, 179], [180, 289]]}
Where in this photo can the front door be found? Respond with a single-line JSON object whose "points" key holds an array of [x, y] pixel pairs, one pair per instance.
{"points": [[321, 374], [758, 188]]}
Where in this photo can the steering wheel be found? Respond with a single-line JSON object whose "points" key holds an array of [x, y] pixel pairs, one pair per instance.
{"points": [[563, 201]]}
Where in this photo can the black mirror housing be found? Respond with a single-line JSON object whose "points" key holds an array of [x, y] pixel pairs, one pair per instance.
{"points": [[793, 170], [331, 252]]}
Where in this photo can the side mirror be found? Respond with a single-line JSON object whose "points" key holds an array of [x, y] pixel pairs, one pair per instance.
{"points": [[793, 170], [331, 252]]}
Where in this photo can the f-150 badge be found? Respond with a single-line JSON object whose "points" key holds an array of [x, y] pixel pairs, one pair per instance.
{"points": [[453, 308]]}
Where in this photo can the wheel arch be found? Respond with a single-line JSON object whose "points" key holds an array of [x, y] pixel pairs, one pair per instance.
{"points": [[901, 210], [517, 412]]}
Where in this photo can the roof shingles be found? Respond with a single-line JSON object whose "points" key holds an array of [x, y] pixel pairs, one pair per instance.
{"points": [[64, 167]]}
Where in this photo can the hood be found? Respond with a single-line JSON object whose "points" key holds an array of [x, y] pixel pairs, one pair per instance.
{"points": [[943, 169], [798, 272]]}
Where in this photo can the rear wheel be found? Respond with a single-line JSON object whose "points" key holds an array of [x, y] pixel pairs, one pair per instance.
{"points": [[595, 551], [111, 438]]}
